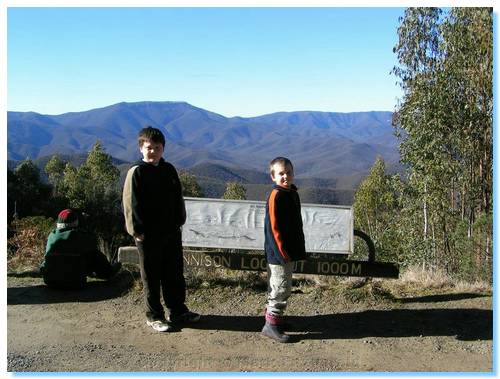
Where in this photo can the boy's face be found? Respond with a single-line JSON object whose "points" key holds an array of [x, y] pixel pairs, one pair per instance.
{"points": [[151, 152], [282, 175]]}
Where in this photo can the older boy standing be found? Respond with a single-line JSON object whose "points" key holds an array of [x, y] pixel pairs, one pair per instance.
{"points": [[284, 244], [154, 213]]}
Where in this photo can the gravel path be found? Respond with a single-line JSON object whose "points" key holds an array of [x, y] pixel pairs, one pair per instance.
{"points": [[102, 329]]}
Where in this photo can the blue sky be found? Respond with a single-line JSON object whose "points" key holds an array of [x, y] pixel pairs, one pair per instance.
{"points": [[232, 61]]}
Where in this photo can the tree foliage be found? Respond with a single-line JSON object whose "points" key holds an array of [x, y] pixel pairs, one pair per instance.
{"points": [[375, 204], [55, 172], [444, 122], [190, 186], [92, 188], [27, 194], [94, 183], [235, 191]]}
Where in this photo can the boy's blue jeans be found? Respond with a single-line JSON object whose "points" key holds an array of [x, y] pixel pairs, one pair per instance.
{"points": [[279, 287]]}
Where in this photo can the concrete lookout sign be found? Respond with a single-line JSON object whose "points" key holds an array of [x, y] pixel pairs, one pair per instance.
{"points": [[239, 224], [214, 224]]}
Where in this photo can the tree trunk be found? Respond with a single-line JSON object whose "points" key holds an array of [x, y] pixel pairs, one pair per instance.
{"points": [[425, 212]]}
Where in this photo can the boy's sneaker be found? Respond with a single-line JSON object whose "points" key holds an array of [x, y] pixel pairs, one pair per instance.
{"points": [[160, 325], [186, 317]]}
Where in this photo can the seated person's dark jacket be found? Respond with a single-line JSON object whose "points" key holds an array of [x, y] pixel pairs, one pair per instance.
{"points": [[72, 254]]}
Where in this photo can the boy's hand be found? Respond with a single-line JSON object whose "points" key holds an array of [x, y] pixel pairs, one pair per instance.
{"points": [[139, 237]]}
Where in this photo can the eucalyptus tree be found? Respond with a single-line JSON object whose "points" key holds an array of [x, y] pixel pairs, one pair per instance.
{"points": [[468, 42], [415, 121], [444, 120]]}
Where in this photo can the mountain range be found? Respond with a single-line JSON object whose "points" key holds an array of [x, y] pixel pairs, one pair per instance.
{"points": [[328, 149]]}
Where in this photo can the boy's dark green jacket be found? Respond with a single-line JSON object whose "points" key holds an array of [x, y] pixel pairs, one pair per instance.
{"points": [[152, 200]]}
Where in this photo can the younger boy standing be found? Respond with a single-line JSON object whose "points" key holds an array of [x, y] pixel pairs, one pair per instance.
{"points": [[154, 213], [284, 244]]}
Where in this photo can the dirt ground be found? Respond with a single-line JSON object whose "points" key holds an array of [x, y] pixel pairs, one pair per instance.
{"points": [[102, 329]]}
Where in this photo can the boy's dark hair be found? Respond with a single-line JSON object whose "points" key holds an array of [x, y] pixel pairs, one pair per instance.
{"points": [[284, 161], [150, 134]]}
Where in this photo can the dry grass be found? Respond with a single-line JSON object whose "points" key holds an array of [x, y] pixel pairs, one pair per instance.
{"points": [[417, 281], [26, 247], [429, 279], [29, 250], [413, 282], [216, 277]]}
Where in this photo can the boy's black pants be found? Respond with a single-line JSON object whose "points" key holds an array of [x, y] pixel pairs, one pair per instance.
{"points": [[162, 271]]}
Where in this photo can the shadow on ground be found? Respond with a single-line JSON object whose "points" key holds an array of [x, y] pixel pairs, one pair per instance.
{"points": [[465, 324], [439, 298], [95, 290]]}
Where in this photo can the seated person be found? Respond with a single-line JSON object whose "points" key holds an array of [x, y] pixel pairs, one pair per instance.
{"points": [[72, 255]]}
